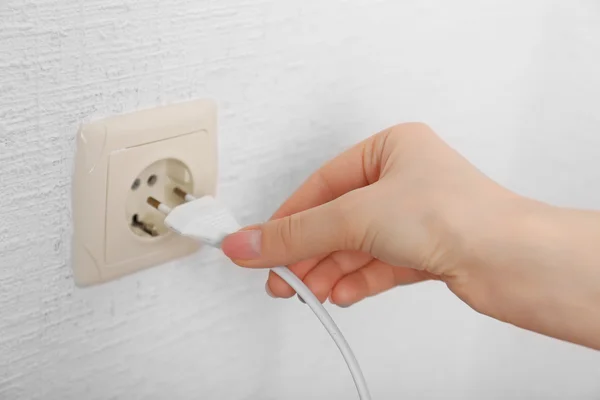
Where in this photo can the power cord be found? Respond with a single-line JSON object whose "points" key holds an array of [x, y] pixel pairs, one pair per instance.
{"points": [[207, 220]]}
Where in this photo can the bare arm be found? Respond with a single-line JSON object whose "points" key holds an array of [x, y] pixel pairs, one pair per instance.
{"points": [[543, 273]]}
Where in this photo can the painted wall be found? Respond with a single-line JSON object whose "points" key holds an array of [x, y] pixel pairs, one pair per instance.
{"points": [[513, 85]]}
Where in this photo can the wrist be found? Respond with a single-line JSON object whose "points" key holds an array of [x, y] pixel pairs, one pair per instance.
{"points": [[539, 269]]}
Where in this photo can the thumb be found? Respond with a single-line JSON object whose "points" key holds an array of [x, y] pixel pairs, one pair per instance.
{"points": [[319, 230]]}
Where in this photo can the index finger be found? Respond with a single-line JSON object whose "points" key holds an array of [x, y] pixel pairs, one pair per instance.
{"points": [[355, 168]]}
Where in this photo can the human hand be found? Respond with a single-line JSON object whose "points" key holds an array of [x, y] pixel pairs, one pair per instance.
{"points": [[403, 207], [398, 208]]}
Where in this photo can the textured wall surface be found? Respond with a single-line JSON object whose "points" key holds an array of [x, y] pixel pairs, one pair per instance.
{"points": [[513, 85]]}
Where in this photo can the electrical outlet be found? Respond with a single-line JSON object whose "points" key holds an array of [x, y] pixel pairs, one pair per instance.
{"points": [[120, 162]]}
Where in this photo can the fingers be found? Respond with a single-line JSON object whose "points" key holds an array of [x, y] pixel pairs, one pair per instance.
{"points": [[279, 288], [374, 278], [323, 277], [347, 277], [312, 221], [355, 168], [337, 225]]}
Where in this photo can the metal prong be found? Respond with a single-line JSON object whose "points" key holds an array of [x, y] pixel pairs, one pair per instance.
{"points": [[179, 193], [184, 196], [158, 205], [153, 202]]}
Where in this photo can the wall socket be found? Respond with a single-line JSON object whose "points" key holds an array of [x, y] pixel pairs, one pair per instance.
{"points": [[120, 162]]}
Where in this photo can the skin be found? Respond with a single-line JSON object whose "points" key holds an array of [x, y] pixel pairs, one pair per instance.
{"points": [[403, 207]]}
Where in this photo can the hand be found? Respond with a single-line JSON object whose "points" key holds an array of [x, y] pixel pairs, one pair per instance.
{"points": [[399, 208], [403, 207]]}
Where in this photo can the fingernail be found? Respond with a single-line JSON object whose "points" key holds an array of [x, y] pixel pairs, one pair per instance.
{"points": [[268, 290], [300, 298], [243, 245]]}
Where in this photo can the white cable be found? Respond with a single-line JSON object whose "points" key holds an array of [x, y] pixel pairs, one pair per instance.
{"points": [[207, 220], [315, 305]]}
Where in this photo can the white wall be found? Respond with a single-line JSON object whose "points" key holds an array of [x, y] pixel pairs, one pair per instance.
{"points": [[513, 85]]}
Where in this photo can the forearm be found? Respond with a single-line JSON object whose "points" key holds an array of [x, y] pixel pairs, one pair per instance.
{"points": [[543, 274]]}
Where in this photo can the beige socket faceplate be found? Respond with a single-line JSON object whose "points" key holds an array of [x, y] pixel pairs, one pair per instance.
{"points": [[176, 145]]}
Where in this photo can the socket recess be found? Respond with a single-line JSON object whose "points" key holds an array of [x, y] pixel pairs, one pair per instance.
{"points": [[120, 162]]}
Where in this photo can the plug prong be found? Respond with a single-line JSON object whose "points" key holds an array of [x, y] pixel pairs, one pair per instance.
{"points": [[163, 208], [179, 193], [183, 194]]}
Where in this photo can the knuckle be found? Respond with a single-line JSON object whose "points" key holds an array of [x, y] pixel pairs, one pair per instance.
{"points": [[347, 215], [410, 127], [371, 241], [289, 231], [410, 130], [406, 141]]}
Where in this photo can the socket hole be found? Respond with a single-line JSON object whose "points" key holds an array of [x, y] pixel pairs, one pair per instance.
{"points": [[135, 184], [143, 226], [143, 221], [152, 180]]}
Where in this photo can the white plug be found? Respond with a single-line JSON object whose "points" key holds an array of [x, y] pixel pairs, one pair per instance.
{"points": [[207, 220], [203, 219]]}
